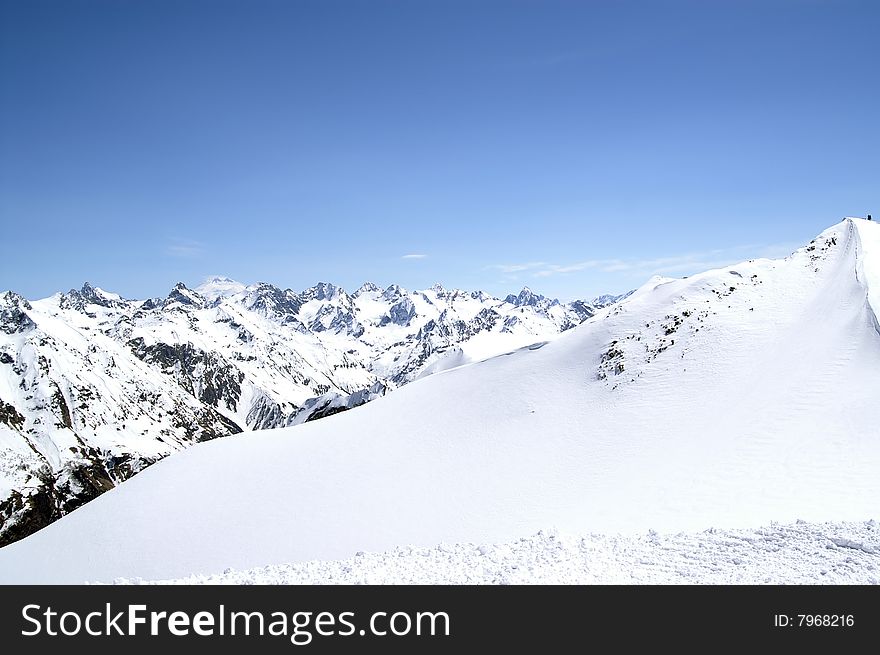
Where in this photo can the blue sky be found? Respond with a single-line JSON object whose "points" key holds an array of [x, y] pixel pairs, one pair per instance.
{"points": [[574, 147]]}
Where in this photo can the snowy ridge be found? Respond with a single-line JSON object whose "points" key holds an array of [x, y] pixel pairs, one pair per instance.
{"points": [[733, 398], [868, 266], [94, 387]]}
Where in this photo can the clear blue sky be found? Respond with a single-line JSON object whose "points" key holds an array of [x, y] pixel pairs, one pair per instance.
{"points": [[575, 147]]}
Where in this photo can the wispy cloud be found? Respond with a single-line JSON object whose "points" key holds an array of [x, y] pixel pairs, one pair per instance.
{"points": [[546, 269], [693, 262], [185, 249], [518, 268], [414, 256]]}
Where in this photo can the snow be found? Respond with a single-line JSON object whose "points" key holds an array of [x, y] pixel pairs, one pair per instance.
{"points": [[111, 385], [730, 399], [107, 295], [798, 553], [869, 266], [478, 348], [218, 286]]}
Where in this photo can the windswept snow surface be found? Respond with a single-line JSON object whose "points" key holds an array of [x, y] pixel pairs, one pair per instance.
{"points": [[729, 399], [800, 553]]}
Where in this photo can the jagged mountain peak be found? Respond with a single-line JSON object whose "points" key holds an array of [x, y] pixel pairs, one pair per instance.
{"points": [[365, 288], [183, 295], [270, 300], [13, 318], [11, 299], [99, 295], [393, 292], [264, 287], [324, 291], [90, 295], [525, 298]]}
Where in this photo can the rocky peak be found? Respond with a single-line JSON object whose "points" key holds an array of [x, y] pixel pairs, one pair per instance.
{"points": [[401, 313], [366, 287], [526, 298], [322, 291], [90, 295], [12, 313], [270, 300], [11, 299], [482, 296], [392, 293], [89, 292], [185, 296], [582, 309]]}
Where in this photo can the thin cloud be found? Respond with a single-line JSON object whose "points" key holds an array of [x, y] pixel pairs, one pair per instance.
{"points": [[545, 269], [697, 261], [517, 268], [414, 256], [185, 249]]}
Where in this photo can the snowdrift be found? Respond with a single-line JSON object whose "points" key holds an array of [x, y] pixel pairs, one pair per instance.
{"points": [[729, 399]]}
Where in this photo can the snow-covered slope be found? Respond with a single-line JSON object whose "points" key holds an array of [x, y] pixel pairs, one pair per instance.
{"points": [[94, 387], [732, 398], [737, 396]]}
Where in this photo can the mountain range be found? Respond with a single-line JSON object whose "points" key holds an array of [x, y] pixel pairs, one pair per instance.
{"points": [[731, 399], [95, 387]]}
